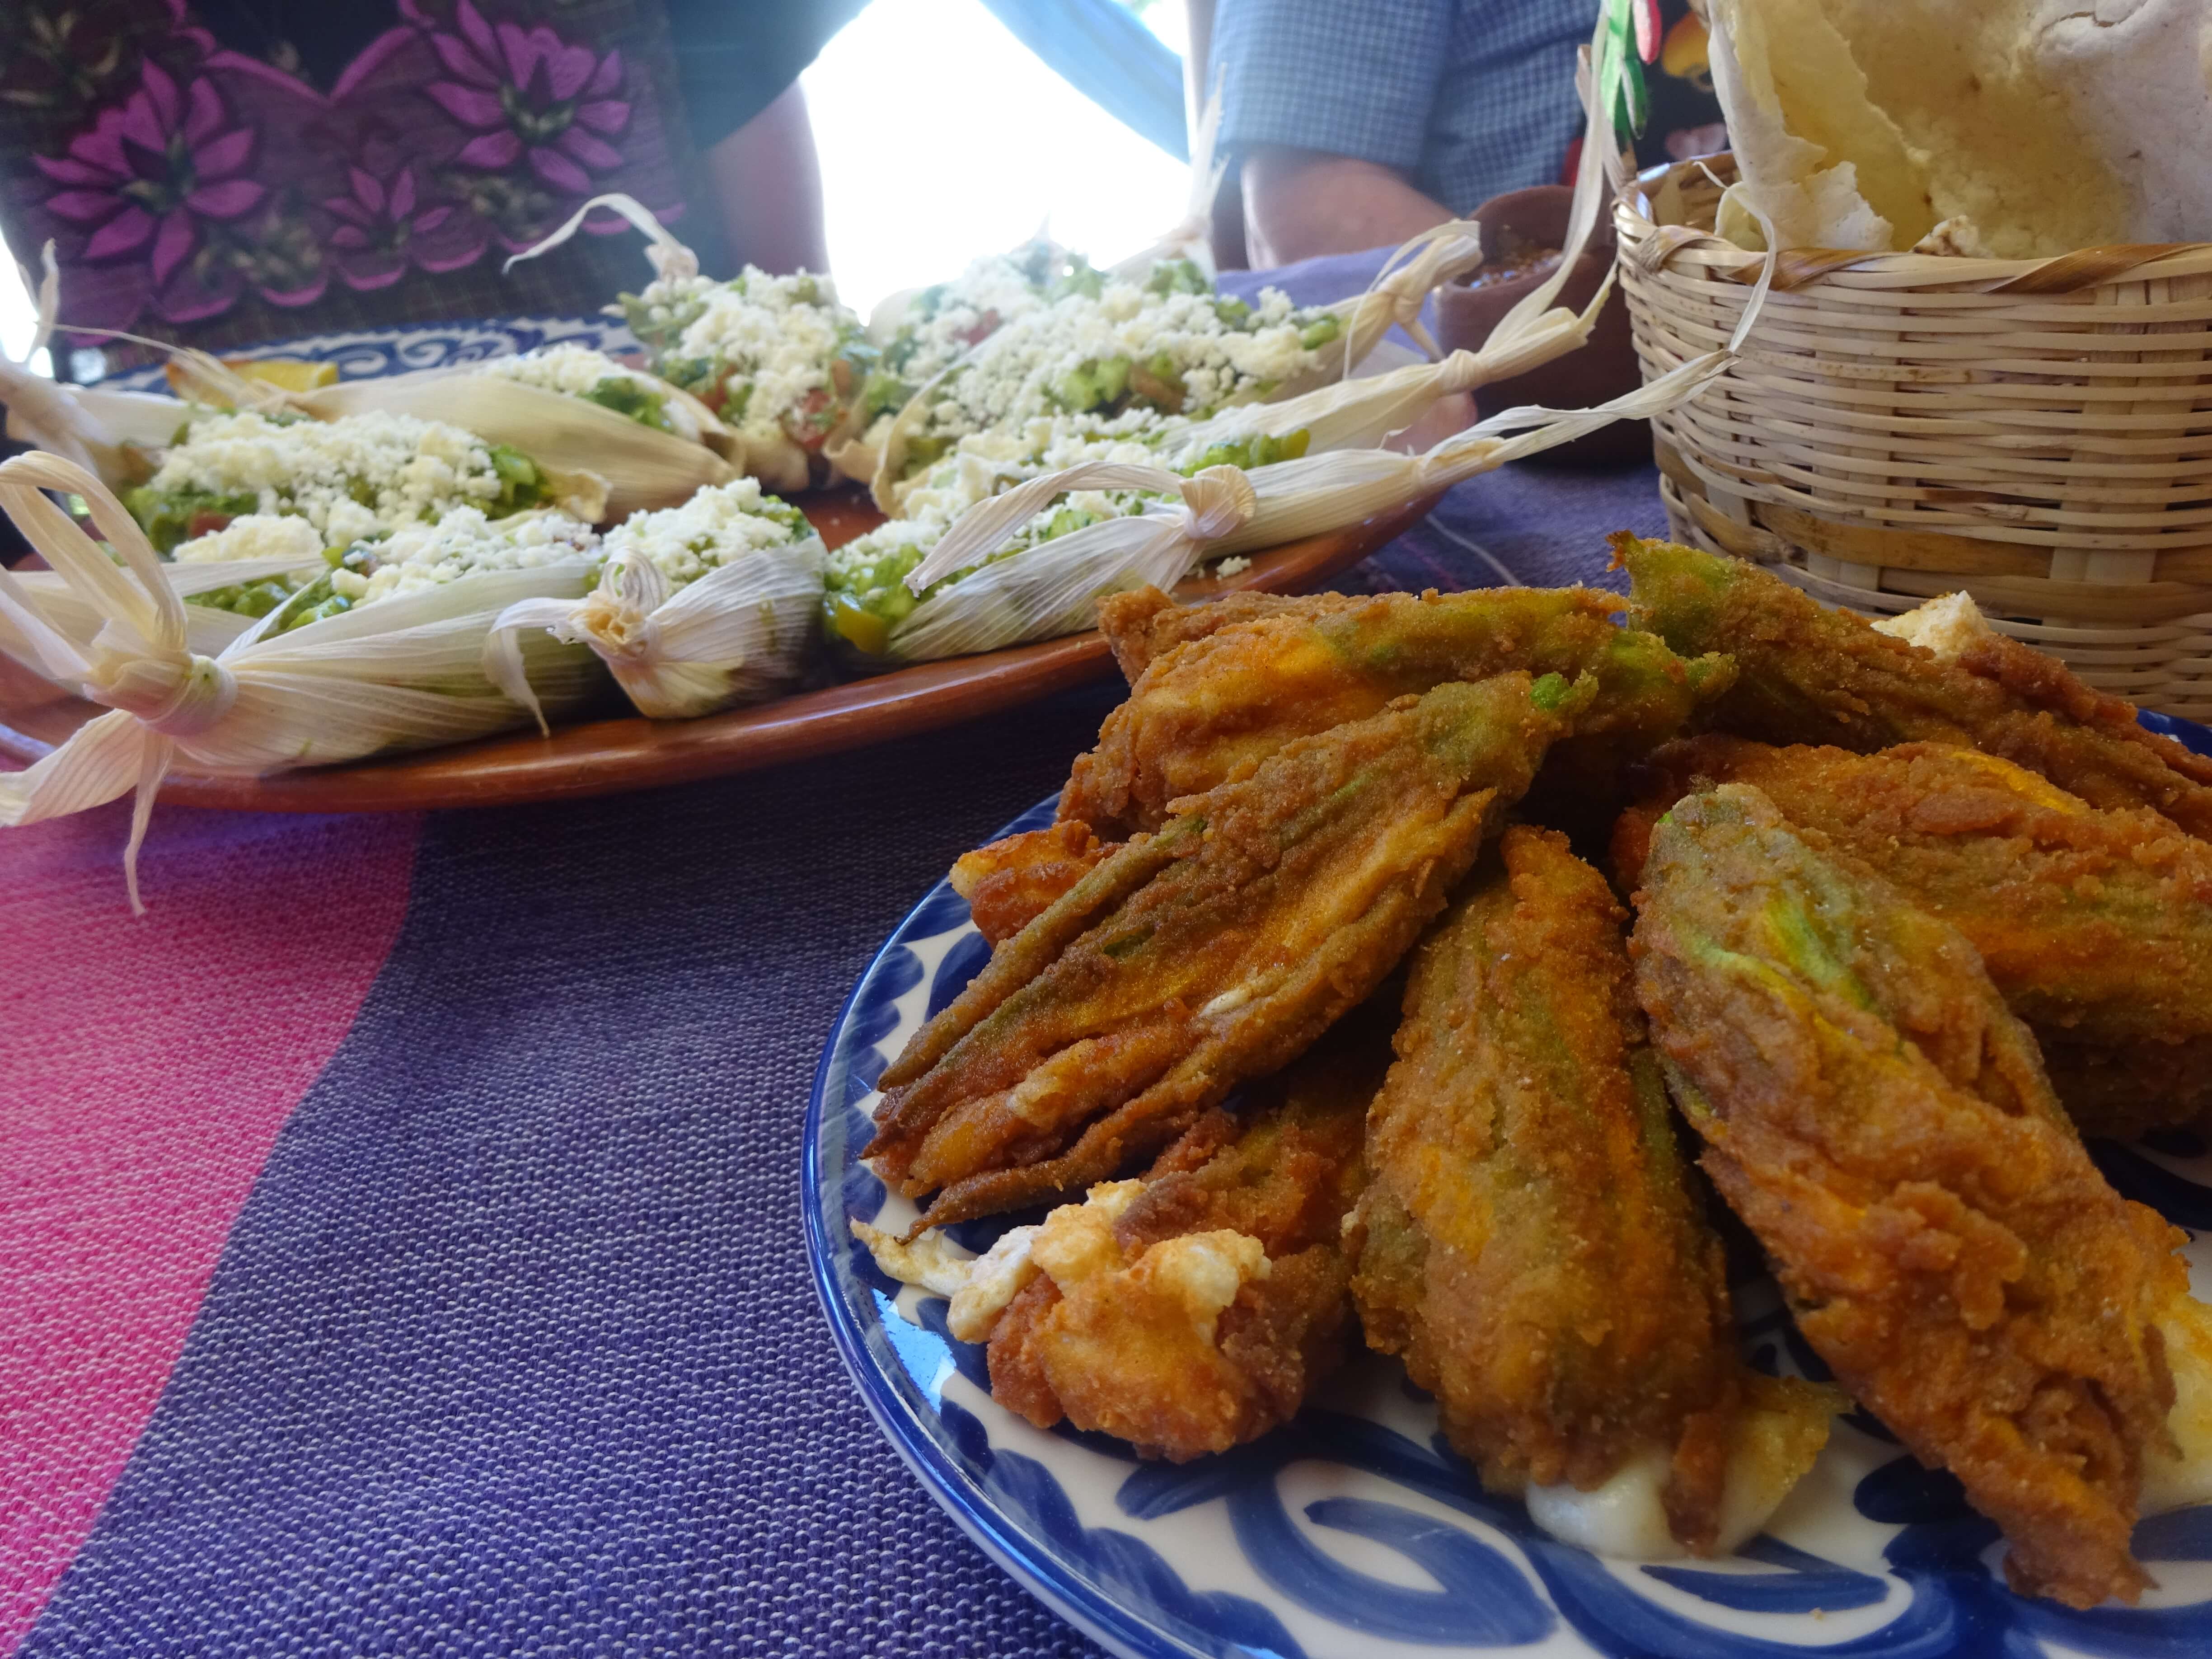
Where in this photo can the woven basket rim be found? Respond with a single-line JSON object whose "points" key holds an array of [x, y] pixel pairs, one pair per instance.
{"points": [[1801, 268]]}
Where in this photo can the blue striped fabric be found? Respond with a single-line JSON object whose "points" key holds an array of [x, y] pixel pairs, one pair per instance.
{"points": [[1467, 97]]}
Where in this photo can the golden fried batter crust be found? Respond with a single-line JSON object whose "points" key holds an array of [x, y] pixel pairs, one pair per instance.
{"points": [[1528, 1242], [1883, 1124], [1117, 1355], [2095, 924], [1224, 688], [1216, 950], [1808, 674], [1145, 622], [1011, 882]]}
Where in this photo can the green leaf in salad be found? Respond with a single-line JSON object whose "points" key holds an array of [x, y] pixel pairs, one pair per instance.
{"points": [[1260, 449], [173, 517], [625, 396], [1177, 277]]}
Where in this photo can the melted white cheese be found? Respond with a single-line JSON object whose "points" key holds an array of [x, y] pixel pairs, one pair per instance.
{"points": [[1946, 626]]}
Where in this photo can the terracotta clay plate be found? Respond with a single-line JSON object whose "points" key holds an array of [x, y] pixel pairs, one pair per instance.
{"points": [[606, 756]]}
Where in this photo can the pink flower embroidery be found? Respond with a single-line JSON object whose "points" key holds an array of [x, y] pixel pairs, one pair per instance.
{"points": [[384, 228], [527, 93], [152, 169]]}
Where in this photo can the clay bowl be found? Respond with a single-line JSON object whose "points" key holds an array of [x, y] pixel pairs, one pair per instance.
{"points": [[1603, 367]]}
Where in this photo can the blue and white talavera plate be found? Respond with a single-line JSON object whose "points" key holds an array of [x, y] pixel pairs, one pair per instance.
{"points": [[365, 354], [1355, 1533]]}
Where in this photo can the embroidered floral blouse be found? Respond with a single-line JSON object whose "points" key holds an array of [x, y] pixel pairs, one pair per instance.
{"points": [[201, 194]]}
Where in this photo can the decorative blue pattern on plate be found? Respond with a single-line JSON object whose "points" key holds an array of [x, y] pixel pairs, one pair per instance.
{"points": [[1355, 1530], [364, 354]]}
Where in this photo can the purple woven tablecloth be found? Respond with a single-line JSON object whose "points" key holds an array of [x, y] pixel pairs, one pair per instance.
{"points": [[405, 1213]]}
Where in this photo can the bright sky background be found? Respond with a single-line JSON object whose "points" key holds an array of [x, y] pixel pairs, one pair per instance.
{"points": [[19, 317], [942, 137]]}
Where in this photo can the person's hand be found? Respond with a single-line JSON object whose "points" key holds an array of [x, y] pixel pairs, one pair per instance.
{"points": [[1301, 203]]}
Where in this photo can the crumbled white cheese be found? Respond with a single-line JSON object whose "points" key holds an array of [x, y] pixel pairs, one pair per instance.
{"points": [[568, 369], [253, 535], [463, 542], [720, 525], [992, 292], [1232, 567], [1010, 375], [769, 338], [407, 469]]}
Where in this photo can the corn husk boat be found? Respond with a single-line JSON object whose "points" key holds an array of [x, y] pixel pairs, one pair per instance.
{"points": [[1004, 573], [118, 436], [733, 621], [1101, 365], [644, 467], [404, 674], [1171, 523]]}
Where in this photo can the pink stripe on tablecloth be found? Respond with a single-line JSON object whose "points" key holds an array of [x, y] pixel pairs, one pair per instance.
{"points": [[145, 1069]]}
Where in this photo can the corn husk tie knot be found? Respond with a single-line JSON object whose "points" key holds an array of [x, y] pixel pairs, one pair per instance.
{"points": [[108, 620], [615, 618], [1216, 502], [738, 633], [178, 696]]}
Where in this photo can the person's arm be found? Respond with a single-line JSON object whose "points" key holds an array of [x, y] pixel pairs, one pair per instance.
{"points": [[1328, 108], [767, 184], [1301, 202]]}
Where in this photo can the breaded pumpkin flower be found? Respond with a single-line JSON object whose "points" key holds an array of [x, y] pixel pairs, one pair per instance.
{"points": [[1223, 689], [2095, 924], [1808, 674], [1196, 1308], [1213, 951], [1529, 1244], [1882, 1122]]}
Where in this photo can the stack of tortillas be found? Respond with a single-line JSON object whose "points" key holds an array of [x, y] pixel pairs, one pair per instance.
{"points": [[2008, 128]]}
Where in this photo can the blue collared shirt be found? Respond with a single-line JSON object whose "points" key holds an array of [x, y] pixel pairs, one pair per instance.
{"points": [[1467, 97]]}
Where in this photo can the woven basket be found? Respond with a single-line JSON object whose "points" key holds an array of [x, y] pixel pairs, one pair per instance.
{"points": [[1901, 425]]}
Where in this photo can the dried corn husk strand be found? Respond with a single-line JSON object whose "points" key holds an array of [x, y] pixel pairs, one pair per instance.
{"points": [[103, 432], [1191, 237], [738, 633], [1395, 299], [206, 630], [1052, 588], [403, 674], [1362, 413]]}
